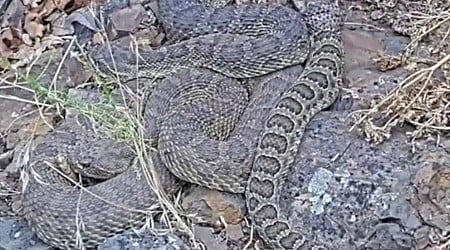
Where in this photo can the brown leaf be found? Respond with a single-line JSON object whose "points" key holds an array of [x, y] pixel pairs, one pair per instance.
{"points": [[33, 25], [47, 8], [83, 3], [9, 42]]}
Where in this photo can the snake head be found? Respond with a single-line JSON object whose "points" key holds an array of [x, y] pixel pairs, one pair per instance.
{"points": [[104, 159]]}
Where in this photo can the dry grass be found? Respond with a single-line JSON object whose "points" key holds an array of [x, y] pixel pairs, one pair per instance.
{"points": [[121, 122], [422, 99], [171, 212]]}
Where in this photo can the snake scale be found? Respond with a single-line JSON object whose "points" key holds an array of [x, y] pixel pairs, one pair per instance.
{"points": [[209, 131]]}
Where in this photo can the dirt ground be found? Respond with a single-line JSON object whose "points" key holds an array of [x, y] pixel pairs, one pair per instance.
{"points": [[388, 135]]}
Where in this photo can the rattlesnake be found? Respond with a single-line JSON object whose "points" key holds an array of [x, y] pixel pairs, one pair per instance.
{"points": [[267, 136]]}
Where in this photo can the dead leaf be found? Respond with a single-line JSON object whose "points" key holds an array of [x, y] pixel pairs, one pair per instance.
{"points": [[51, 5], [83, 3], [33, 25], [9, 42], [26, 54]]}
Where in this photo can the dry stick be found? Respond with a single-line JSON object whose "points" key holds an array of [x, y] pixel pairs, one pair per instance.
{"points": [[441, 247], [151, 178], [250, 240], [447, 33], [61, 63], [415, 77], [149, 174], [429, 126], [153, 182], [142, 155], [36, 101], [15, 98], [427, 32]]}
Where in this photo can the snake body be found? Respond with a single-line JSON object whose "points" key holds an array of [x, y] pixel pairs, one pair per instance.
{"points": [[316, 89], [237, 41], [209, 131]]}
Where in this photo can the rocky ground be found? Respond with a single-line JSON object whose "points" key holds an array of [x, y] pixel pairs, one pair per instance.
{"points": [[382, 151]]}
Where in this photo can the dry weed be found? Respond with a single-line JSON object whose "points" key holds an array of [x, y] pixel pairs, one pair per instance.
{"points": [[422, 99], [55, 100]]}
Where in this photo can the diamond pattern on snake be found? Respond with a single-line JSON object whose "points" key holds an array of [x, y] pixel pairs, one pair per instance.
{"points": [[210, 129]]}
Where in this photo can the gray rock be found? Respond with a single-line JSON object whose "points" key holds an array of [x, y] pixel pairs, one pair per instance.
{"points": [[351, 194], [16, 235], [125, 21], [148, 239]]}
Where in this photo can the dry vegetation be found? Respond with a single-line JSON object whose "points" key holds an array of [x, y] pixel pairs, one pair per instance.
{"points": [[21, 49], [114, 117], [423, 98]]}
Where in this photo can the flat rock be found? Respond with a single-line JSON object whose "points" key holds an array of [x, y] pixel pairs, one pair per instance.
{"points": [[214, 208]]}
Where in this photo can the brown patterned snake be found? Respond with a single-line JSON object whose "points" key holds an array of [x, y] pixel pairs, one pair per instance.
{"points": [[193, 114]]}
